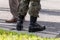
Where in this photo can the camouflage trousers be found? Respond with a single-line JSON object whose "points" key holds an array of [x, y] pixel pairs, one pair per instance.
{"points": [[33, 9]]}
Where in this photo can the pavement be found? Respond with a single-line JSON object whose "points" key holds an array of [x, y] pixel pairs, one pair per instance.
{"points": [[48, 16]]}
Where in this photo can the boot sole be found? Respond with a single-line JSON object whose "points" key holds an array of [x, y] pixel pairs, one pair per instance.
{"points": [[35, 30]]}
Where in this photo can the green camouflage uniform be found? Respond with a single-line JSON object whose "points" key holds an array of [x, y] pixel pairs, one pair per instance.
{"points": [[34, 8]]}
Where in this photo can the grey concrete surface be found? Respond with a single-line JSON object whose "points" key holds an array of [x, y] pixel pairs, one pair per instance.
{"points": [[49, 16]]}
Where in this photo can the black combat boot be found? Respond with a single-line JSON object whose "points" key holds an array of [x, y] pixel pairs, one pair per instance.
{"points": [[34, 27], [20, 23]]}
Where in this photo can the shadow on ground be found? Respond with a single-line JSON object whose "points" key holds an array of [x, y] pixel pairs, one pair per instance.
{"points": [[50, 12], [50, 26], [4, 9], [43, 11]]}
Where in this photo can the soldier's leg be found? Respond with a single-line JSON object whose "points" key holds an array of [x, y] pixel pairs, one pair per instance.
{"points": [[22, 11], [33, 11], [13, 9]]}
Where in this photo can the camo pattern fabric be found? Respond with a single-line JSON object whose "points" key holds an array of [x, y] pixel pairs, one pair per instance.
{"points": [[33, 9]]}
